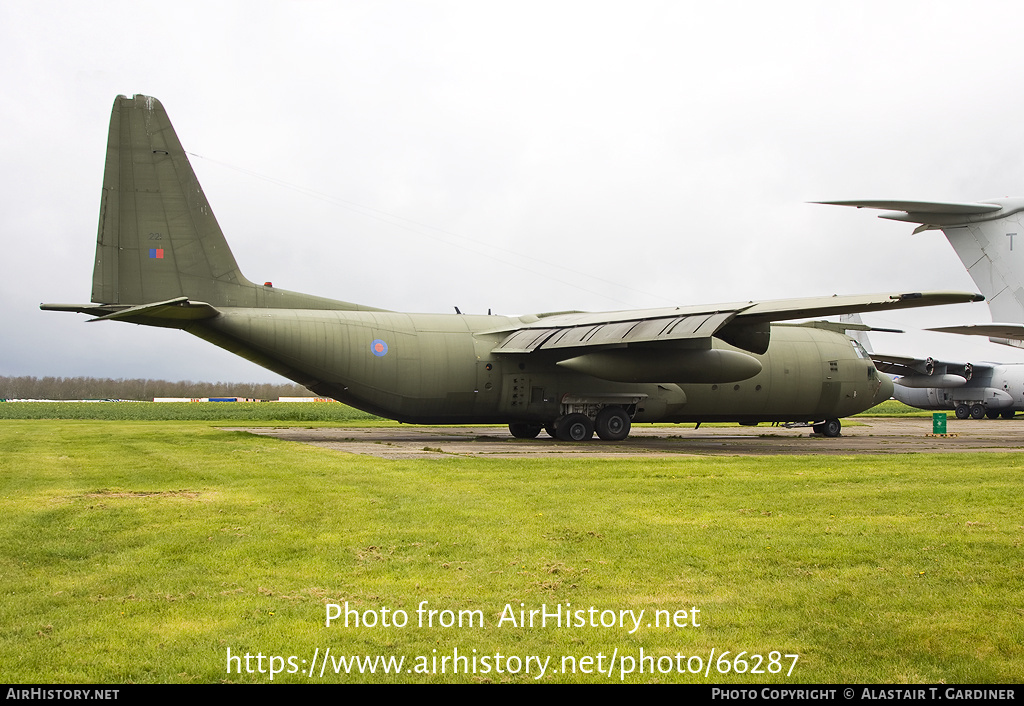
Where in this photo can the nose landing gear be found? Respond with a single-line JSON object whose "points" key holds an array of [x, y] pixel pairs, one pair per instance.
{"points": [[830, 428]]}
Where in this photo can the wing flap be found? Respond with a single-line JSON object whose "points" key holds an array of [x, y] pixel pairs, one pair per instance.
{"points": [[626, 332]]}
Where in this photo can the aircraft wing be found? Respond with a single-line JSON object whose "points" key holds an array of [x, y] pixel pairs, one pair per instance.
{"points": [[907, 366], [745, 325], [901, 365]]}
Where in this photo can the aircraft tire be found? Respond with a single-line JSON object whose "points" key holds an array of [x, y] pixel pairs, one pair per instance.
{"points": [[549, 429], [522, 430], [1008, 414], [818, 428], [963, 411], [831, 428], [612, 424], [977, 411], [992, 413], [575, 427]]}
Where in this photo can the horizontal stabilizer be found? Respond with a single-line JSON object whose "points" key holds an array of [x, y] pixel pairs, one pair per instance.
{"points": [[91, 309], [936, 214], [1003, 334], [1013, 332], [177, 309], [944, 207]]}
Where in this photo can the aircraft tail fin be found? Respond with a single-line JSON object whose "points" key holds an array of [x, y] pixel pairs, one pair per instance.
{"points": [[158, 238], [854, 327], [988, 238]]}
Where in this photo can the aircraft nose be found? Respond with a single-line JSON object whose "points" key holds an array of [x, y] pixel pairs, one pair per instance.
{"points": [[885, 390]]}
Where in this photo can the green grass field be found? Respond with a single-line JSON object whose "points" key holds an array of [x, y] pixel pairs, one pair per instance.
{"points": [[255, 412], [143, 551]]}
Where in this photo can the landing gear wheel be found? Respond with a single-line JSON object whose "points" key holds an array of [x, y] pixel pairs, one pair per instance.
{"points": [[963, 411], [1008, 414], [522, 430], [977, 411], [574, 427], [612, 424], [992, 413], [831, 428], [549, 429]]}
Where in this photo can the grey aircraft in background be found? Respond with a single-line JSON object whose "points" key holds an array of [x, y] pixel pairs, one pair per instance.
{"points": [[988, 237]]}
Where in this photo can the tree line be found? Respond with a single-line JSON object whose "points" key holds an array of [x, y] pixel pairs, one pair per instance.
{"points": [[87, 388]]}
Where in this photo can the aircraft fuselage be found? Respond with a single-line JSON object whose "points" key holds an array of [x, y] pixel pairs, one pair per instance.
{"points": [[440, 369]]}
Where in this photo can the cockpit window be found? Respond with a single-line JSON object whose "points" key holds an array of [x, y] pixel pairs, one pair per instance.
{"points": [[859, 350]]}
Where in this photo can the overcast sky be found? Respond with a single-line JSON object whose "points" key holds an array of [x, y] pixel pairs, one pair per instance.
{"points": [[517, 156]]}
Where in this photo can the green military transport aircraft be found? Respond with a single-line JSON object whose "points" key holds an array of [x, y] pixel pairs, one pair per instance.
{"points": [[162, 260]]}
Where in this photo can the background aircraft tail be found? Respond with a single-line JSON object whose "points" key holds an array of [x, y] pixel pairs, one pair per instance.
{"points": [[988, 237], [856, 330]]}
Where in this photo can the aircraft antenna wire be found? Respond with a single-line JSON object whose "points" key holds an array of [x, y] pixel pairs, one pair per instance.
{"points": [[421, 228]]}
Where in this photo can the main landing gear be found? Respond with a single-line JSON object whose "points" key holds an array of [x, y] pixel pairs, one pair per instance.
{"points": [[979, 411], [610, 423], [574, 427], [974, 411]]}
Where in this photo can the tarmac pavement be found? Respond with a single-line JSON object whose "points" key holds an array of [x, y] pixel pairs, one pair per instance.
{"points": [[863, 435]]}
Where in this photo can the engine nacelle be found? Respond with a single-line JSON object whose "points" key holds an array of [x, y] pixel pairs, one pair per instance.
{"points": [[944, 381]]}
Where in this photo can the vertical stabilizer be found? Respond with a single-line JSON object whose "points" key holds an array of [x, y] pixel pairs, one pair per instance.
{"points": [[857, 331], [158, 238], [993, 253]]}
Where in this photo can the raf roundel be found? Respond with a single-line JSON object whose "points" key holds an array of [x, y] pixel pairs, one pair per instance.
{"points": [[379, 348]]}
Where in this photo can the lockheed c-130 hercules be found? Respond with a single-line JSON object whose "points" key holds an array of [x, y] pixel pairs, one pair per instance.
{"points": [[162, 260]]}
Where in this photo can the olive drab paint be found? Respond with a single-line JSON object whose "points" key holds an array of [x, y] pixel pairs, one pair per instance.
{"points": [[162, 260]]}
